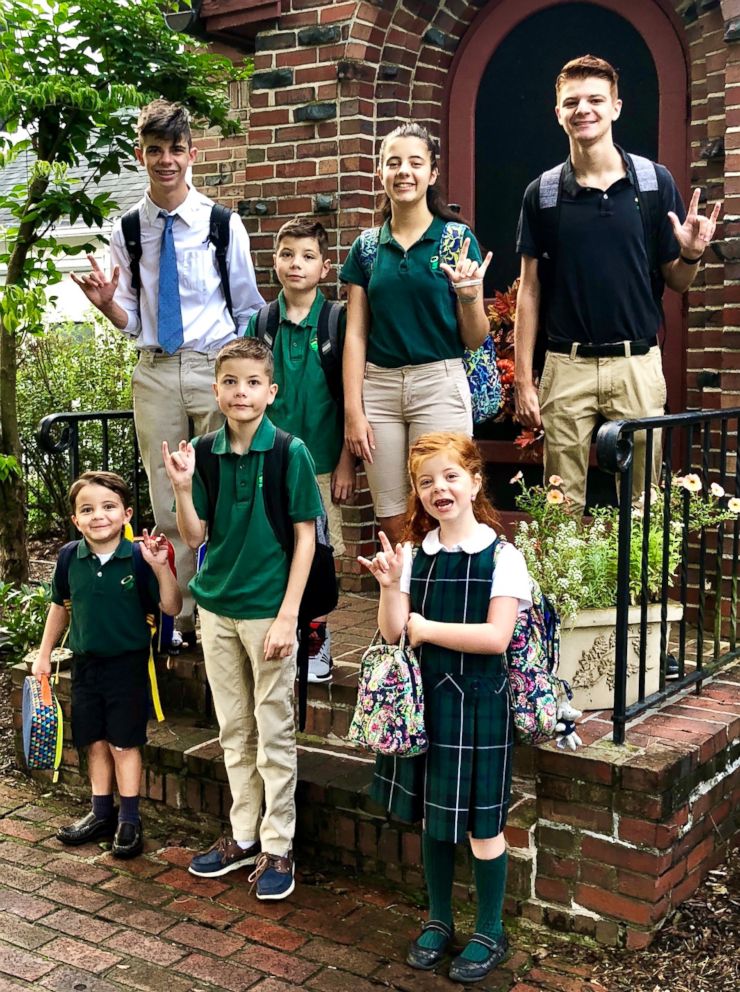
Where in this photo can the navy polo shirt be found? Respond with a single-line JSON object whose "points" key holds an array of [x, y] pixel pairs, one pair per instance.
{"points": [[601, 289]]}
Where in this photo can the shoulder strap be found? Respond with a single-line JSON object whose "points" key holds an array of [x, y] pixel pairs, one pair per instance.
{"points": [[206, 464], [330, 352], [218, 235], [548, 202], [275, 490], [268, 318], [141, 575], [648, 195], [61, 573], [131, 230], [369, 242]]}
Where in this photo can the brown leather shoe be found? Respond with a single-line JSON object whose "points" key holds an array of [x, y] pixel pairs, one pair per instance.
{"points": [[223, 857], [274, 876]]}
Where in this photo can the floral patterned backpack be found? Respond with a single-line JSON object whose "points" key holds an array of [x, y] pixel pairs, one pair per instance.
{"points": [[389, 715], [532, 660]]}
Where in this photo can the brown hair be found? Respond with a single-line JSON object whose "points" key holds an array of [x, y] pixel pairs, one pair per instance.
{"points": [[163, 119], [468, 456], [585, 66], [109, 480], [250, 348], [436, 201], [304, 227]]}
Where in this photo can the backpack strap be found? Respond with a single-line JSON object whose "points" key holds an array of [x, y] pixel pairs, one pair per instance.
{"points": [[218, 235], [206, 464], [141, 576], [275, 490], [268, 319], [131, 230], [369, 242], [330, 350], [648, 195], [61, 573]]}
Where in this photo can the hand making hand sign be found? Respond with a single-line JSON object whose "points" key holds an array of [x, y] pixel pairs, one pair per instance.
{"points": [[96, 285], [696, 232], [467, 274]]}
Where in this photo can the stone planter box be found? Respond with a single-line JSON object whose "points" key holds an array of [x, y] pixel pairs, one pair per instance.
{"points": [[587, 655]]}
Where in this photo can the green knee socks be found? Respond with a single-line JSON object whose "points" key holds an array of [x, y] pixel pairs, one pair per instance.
{"points": [[490, 883], [439, 867]]}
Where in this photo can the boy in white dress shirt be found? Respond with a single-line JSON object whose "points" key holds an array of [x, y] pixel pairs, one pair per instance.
{"points": [[179, 315]]}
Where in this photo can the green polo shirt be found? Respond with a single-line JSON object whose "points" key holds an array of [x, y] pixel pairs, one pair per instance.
{"points": [[245, 572], [413, 314], [107, 618], [303, 405]]}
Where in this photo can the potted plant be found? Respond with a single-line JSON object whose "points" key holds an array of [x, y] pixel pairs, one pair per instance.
{"points": [[575, 563]]}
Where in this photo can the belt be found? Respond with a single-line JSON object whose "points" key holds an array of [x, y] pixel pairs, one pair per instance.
{"points": [[624, 348]]}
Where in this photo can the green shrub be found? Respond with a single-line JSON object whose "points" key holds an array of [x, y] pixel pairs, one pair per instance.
{"points": [[22, 617]]}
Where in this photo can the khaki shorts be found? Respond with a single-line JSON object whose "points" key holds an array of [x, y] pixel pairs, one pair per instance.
{"points": [[333, 513]]}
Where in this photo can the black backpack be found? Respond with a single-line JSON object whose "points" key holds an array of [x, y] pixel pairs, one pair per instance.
{"points": [[321, 594], [327, 337], [218, 235]]}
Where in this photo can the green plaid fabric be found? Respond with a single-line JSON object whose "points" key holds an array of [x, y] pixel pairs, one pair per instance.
{"points": [[463, 783]]}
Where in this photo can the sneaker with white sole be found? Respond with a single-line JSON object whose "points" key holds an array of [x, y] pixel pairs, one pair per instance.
{"points": [[274, 875], [223, 857], [319, 653]]}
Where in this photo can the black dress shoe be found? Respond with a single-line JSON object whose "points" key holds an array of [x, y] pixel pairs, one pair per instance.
{"points": [[426, 958], [88, 828], [129, 840], [467, 972], [672, 670]]}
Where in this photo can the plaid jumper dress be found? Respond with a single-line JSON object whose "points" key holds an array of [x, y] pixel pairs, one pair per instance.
{"points": [[463, 783]]}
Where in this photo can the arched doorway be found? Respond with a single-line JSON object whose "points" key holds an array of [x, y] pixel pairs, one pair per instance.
{"points": [[501, 130]]}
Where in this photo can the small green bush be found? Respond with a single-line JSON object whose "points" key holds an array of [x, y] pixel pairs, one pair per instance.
{"points": [[22, 617]]}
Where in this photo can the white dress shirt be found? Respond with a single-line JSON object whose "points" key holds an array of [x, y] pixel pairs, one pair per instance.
{"points": [[205, 317], [510, 577]]}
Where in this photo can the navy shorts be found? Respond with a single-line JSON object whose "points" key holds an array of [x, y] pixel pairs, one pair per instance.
{"points": [[110, 699]]}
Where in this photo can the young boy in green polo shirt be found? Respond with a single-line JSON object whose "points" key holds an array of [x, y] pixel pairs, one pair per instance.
{"points": [[101, 599], [248, 593], [305, 405]]}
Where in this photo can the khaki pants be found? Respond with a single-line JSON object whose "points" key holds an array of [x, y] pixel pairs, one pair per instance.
{"points": [[253, 700], [402, 404], [169, 390], [333, 514], [575, 391]]}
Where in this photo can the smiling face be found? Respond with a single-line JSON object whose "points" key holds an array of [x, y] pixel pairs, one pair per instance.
{"points": [[406, 170], [299, 263], [243, 390], [446, 489], [100, 517], [587, 108], [166, 162]]}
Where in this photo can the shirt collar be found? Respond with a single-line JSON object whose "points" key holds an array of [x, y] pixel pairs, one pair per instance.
{"points": [[124, 549], [263, 440], [432, 233], [573, 188], [481, 538], [312, 317], [187, 211]]}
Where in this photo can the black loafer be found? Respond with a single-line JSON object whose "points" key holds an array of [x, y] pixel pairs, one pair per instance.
{"points": [[88, 828], [426, 958], [129, 840], [467, 972]]}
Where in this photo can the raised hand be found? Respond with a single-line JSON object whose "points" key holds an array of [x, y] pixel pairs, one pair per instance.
{"points": [[155, 550], [387, 564], [467, 274], [96, 286], [179, 464], [696, 232]]}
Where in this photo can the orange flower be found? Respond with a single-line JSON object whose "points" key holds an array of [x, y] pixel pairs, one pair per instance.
{"points": [[555, 497]]}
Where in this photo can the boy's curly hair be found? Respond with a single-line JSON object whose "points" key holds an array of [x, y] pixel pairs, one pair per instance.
{"points": [[109, 480]]}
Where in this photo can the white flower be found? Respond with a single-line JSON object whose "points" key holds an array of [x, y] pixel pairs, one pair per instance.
{"points": [[716, 490], [515, 478], [75, 404], [555, 497], [691, 482], [555, 480], [733, 505]]}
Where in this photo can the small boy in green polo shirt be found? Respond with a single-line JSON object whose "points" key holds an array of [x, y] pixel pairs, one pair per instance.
{"points": [[110, 640], [248, 593], [305, 405]]}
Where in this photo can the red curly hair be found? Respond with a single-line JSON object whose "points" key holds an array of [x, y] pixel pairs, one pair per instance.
{"points": [[465, 452]]}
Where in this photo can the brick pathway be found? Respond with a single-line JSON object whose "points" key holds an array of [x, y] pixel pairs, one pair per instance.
{"points": [[77, 920]]}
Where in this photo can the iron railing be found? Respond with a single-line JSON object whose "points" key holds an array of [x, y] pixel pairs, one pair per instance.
{"points": [[703, 443], [61, 433]]}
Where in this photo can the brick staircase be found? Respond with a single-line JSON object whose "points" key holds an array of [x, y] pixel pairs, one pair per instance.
{"points": [[603, 843]]}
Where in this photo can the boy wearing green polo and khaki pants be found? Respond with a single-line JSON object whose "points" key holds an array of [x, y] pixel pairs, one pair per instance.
{"points": [[309, 401], [248, 593]]}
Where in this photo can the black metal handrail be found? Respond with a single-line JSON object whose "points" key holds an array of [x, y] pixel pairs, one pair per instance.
{"points": [[58, 433], [703, 442]]}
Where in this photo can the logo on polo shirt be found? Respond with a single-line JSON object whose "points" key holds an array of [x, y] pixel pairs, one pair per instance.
{"points": [[127, 581], [434, 262]]}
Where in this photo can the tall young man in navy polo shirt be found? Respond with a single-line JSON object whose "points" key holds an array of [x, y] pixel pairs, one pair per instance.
{"points": [[179, 319], [586, 252]]}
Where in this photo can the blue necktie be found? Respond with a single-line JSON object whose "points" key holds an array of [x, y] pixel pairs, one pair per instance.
{"points": [[169, 315]]}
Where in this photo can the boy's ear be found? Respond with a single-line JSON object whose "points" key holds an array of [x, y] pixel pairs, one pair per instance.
{"points": [[139, 155], [272, 393], [128, 513], [325, 268]]}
